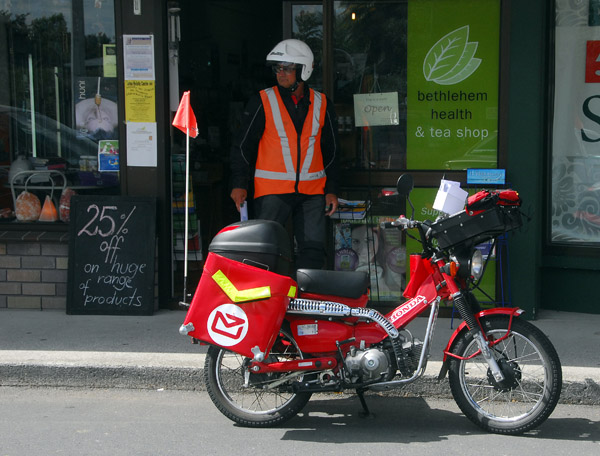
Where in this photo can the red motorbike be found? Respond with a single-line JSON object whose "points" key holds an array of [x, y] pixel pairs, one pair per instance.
{"points": [[276, 337]]}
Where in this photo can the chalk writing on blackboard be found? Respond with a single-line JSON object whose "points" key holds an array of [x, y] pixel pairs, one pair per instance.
{"points": [[112, 268]]}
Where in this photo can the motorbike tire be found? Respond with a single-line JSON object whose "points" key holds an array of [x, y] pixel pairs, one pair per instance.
{"points": [[532, 386], [254, 405]]}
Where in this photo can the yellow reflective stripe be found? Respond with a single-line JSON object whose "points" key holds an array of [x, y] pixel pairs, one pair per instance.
{"points": [[240, 295], [253, 293], [292, 292]]}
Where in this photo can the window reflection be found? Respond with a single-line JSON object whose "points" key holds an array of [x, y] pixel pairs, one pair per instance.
{"points": [[59, 100], [369, 52], [307, 26]]}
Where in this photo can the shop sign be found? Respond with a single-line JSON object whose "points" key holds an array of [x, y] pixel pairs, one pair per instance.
{"points": [[371, 109], [422, 199], [452, 84]]}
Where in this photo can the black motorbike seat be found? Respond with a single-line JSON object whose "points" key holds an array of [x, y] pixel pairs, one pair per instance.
{"points": [[348, 284]]}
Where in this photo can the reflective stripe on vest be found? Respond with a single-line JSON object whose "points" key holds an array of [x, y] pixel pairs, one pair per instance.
{"points": [[282, 179]]}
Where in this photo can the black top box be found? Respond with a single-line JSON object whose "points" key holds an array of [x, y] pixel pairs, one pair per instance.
{"points": [[475, 229], [261, 243]]}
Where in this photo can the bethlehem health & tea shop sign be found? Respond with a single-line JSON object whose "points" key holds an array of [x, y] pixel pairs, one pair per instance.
{"points": [[452, 84]]}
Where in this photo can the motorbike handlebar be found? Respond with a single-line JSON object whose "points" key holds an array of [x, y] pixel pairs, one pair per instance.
{"points": [[401, 223]]}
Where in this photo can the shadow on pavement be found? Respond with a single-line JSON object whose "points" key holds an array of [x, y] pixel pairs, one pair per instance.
{"points": [[409, 420]]}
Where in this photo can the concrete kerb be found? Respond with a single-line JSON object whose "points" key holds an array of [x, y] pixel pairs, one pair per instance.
{"points": [[56, 350], [585, 391]]}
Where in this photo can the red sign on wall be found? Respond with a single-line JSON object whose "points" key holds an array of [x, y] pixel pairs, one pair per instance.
{"points": [[592, 62]]}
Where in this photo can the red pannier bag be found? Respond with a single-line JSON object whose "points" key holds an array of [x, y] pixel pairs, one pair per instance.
{"points": [[486, 199]]}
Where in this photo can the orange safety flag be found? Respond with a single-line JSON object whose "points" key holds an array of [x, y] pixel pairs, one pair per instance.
{"points": [[185, 119]]}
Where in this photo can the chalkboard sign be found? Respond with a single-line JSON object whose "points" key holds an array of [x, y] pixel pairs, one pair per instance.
{"points": [[111, 255]]}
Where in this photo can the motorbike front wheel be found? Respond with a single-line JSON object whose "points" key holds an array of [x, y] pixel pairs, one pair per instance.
{"points": [[254, 400], [532, 371]]}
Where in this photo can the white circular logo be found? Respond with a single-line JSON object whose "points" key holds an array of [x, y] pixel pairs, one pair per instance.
{"points": [[227, 325]]}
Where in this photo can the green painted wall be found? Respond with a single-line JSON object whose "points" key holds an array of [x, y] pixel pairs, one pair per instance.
{"points": [[526, 144], [570, 290], [542, 278]]}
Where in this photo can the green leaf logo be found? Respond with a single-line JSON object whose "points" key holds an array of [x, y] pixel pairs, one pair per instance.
{"points": [[452, 59]]}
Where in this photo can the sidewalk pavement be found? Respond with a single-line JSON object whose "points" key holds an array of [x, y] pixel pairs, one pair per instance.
{"points": [[50, 348]]}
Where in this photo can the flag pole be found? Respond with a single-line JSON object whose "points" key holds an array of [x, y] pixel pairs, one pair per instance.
{"points": [[185, 120], [185, 230]]}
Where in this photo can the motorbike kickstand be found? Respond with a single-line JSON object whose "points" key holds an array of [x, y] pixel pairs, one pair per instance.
{"points": [[364, 413]]}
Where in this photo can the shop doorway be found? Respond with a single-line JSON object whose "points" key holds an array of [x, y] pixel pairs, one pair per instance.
{"points": [[221, 48]]}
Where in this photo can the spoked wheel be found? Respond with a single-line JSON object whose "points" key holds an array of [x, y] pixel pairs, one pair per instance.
{"points": [[254, 400], [532, 384]]}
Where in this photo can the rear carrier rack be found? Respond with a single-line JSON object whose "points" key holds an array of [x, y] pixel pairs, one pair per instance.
{"points": [[474, 229]]}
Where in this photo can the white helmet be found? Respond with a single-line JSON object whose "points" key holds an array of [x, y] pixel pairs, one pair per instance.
{"points": [[294, 51]]}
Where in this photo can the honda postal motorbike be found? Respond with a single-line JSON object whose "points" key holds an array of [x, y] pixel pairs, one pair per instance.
{"points": [[277, 336]]}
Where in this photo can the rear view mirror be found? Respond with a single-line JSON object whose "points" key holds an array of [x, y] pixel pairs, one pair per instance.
{"points": [[405, 185]]}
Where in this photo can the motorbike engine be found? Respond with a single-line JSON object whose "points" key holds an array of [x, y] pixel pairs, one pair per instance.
{"points": [[367, 364], [409, 361]]}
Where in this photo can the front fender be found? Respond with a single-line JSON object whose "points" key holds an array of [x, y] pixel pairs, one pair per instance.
{"points": [[511, 311]]}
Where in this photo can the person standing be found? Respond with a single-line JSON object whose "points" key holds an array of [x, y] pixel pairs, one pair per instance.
{"points": [[289, 137]]}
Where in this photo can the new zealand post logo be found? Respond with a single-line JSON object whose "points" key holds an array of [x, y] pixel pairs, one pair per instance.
{"points": [[452, 59], [227, 325]]}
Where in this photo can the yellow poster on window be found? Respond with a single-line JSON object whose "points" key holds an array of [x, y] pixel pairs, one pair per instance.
{"points": [[140, 103]]}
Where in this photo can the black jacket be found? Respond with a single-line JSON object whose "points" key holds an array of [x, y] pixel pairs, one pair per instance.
{"points": [[245, 146]]}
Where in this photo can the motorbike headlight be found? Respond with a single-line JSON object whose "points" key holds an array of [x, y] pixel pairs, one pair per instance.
{"points": [[476, 264]]}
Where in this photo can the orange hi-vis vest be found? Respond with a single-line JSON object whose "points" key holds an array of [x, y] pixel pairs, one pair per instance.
{"points": [[286, 162]]}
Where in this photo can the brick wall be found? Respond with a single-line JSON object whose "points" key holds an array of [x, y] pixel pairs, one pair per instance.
{"points": [[34, 268], [33, 273]]}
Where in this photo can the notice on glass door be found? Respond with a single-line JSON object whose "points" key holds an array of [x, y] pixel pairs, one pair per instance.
{"points": [[140, 101], [138, 53], [371, 109], [141, 144], [140, 109]]}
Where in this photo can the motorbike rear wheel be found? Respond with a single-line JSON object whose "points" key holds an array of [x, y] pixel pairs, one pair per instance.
{"points": [[250, 399], [532, 371]]}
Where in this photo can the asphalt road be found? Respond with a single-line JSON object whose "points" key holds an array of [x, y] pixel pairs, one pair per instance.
{"points": [[49, 421]]}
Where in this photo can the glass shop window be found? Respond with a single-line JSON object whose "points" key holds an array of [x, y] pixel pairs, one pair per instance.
{"points": [[575, 192], [369, 51], [307, 25], [58, 106]]}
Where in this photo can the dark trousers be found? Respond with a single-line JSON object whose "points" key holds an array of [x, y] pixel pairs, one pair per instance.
{"points": [[308, 219]]}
